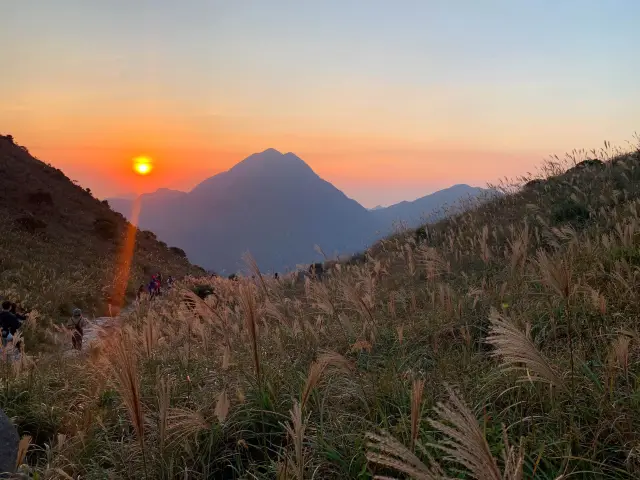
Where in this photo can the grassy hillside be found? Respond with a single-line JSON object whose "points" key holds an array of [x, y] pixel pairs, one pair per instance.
{"points": [[502, 343], [59, 246]]}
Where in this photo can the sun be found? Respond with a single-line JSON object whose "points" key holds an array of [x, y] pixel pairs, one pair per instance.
{"points": [[142, 165]]}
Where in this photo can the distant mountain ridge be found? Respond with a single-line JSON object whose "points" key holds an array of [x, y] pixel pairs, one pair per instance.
{"points": [[276, 207], [428, 208]]}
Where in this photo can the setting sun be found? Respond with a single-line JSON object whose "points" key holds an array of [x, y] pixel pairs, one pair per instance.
{"points": [[142, 165]]}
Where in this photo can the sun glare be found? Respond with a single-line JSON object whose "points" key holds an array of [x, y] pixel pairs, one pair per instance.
{"points": [[142, 165]]}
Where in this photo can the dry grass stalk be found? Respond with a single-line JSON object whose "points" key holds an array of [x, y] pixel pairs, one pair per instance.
{"points": [[357, 302], [556, 274], [248, 302], [598, 300], [23, 448], [433, 263], [518, 248], [518, 352], [386, 451], [184, 423], [319, 295], [620, 352], [466, 444], [513, 459], [222, 406], [296, 430], [318, 368], [150, 335], [417, 391], [253, 266], [163, 391], [124, 368]]}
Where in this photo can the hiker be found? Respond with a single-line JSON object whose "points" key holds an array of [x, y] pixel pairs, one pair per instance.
{"points": [[169, 282], [316, 270], [140, 293], [22, 317], [9, 323], [77, 323], [151, 289]]}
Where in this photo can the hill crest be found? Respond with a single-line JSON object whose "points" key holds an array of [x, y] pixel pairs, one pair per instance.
{"points": [[60, 247]]}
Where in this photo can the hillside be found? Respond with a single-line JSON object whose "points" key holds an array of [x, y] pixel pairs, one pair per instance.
{"points": [[501, 343], [60, 247], [276, 207]]}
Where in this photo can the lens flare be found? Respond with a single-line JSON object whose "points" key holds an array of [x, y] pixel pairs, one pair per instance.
{"points": [[142, 165]]}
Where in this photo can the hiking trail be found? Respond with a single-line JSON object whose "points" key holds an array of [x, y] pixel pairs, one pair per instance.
{"points": [[97, 328]]}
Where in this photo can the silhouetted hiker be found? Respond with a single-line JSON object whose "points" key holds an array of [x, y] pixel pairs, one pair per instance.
{"points": [[77, 323], [22, 316], [170, 282], [9, 323], [140, 293], [316, 270], [276, 276]]}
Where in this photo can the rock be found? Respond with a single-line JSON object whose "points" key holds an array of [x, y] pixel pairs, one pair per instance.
{"points": [[9, 440]]}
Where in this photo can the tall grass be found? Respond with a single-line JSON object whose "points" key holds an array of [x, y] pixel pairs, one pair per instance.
{"points": [[501, 345]]}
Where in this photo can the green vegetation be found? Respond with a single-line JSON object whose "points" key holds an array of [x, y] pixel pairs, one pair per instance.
{"points": [[502, 345]]}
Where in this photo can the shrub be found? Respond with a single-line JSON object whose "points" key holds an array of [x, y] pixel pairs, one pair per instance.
{"points": [[149, 235], [105, 228], [31, 224], [203, 291], [569, 212], [536, 182], [421, 234], [40, 198], [178, 251]]}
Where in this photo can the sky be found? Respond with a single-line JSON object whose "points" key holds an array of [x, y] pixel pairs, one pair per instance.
{"points": [[388, 100]]}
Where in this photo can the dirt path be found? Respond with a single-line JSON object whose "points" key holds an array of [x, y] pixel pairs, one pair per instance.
{"points": [[98, 328]]}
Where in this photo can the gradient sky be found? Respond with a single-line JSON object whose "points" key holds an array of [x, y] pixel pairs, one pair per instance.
{"points": [[389, 100]]}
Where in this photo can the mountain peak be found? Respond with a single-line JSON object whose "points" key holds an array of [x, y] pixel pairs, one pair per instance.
{"points": [[271, 160], [269, 151]]}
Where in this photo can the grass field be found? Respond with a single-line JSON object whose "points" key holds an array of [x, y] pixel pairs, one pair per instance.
{"points": [[501, 343]]}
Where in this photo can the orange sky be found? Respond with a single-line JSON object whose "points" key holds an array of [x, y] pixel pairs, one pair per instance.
{"points": [[389, 103]]}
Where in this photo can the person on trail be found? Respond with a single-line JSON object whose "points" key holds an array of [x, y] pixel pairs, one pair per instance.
{"points": [[9, 323], [140, 293], [22, 316], [169, 282], [77, 323]]}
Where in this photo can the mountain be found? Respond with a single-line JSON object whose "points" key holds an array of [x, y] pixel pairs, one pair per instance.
{"points": [[62, 248], [430, 207], [272, 205]]}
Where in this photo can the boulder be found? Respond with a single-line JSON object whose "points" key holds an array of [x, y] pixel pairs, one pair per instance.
{"points": [[9, 440]]}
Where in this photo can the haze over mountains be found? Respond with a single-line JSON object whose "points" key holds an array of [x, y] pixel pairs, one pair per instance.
{"points": [[275, 206]]}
